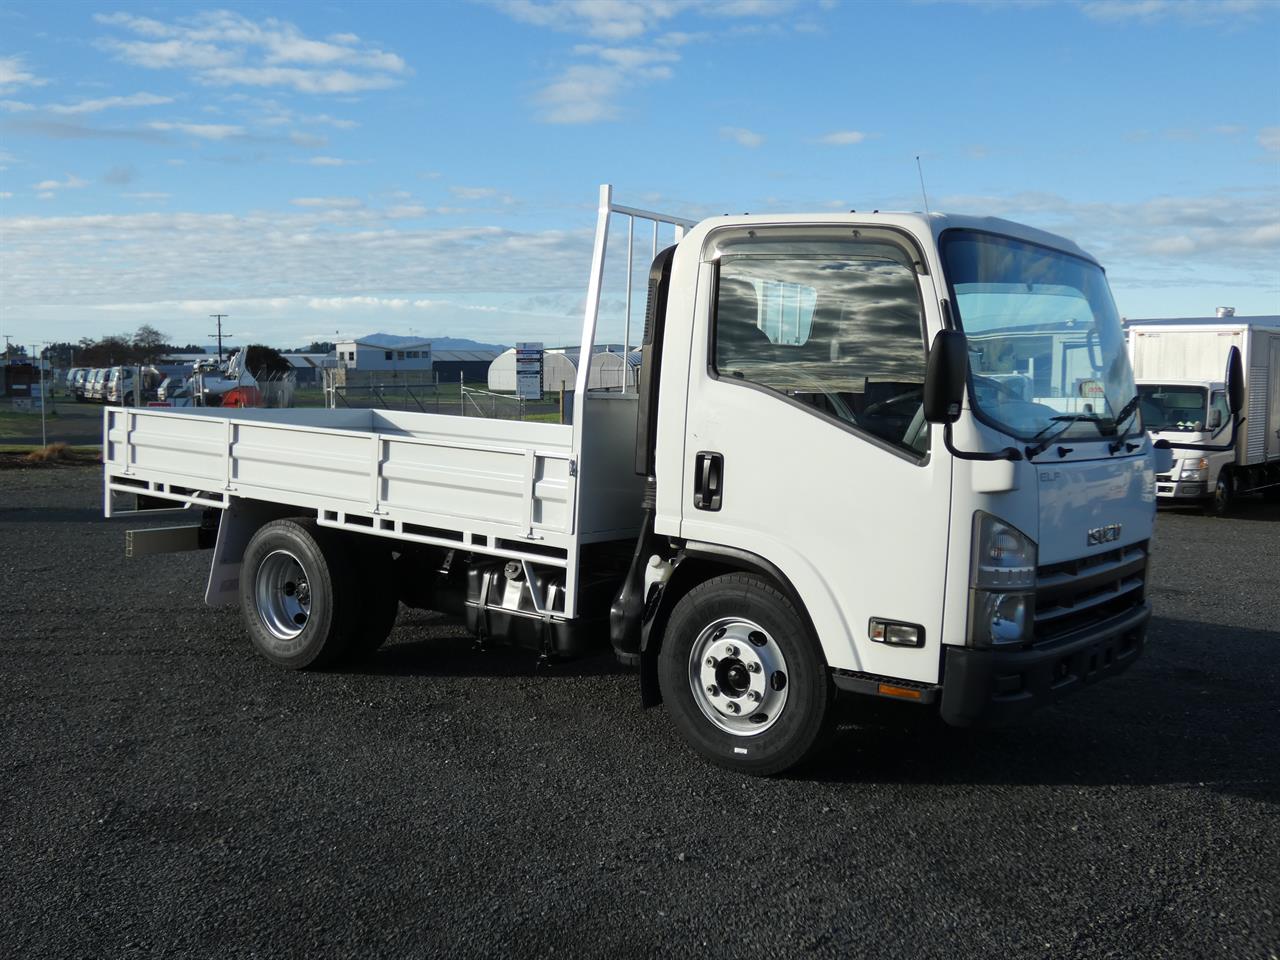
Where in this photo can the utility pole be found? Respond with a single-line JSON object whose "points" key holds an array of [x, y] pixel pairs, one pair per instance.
{"points": [[219, 317]]}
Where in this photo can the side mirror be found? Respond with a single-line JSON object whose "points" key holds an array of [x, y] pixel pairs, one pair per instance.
{"points": [[945, 377], [1215, 419], [1235, 381], [1094, 350], [1163, 456]]}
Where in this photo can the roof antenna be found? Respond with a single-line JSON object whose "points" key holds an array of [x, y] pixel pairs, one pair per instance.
{"points": [[920, 170]]}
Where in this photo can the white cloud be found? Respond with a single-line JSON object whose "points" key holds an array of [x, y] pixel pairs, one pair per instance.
{"points": [[71, 183], [327, 162], [333, 203], [14, 74], [15, 106], [107, 103], [205, 131], [581, 94], [473, 193], [1192, 10], [6, 195], [588, 91], [843, 137], [742, 136], [1269, 139], [224, 48], [78, 275]]}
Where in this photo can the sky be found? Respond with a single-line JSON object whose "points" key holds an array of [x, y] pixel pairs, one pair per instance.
{"points": [[317, 170]]}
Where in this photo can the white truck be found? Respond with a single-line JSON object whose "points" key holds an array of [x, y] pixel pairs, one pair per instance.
{"points": [[818, 486], [1179, 370]]}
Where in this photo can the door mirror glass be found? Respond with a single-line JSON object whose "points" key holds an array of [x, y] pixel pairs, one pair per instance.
{"points": [[945, 377], [1215, 419], [1235, 381]]}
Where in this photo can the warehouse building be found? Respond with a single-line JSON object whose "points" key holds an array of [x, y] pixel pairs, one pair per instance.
{"points": [[471, 365], [365, 356], [609, 371]]}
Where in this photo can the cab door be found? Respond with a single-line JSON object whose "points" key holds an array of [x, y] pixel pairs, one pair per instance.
{"points": [[805, 443]]}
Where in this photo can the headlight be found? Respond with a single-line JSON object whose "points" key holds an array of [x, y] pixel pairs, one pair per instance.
{"points": [[1002, 580], [1194, 469]]}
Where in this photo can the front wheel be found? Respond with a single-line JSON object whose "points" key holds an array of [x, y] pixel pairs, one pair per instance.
{"points": [[1223, 497], [743, 677]]}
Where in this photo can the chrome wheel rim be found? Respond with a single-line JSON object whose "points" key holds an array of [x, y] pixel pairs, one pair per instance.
{"points": [[738, 676], [283, 594]]}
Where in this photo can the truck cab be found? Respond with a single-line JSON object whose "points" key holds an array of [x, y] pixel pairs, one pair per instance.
{"points": [[1194, 412], [984, 565]]}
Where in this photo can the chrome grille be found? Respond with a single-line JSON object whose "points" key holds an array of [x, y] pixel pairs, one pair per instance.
{"points": [[1078, 594]]}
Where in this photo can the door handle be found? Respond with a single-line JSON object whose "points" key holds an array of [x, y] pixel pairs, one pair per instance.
{"points": [[708, 480]]}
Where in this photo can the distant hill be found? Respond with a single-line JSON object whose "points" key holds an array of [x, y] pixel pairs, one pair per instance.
{"points": [[437, 343]]}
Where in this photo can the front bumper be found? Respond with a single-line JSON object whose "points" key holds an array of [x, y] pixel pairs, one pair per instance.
{"points": [[995, 687], [1169, 488]]}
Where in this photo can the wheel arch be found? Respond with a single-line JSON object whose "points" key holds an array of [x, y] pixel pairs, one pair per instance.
{"points": [[696, 563]]}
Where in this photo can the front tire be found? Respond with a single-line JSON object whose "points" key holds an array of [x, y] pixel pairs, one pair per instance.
{"points": [[296, 594], [1223, 497], [743, 677]]}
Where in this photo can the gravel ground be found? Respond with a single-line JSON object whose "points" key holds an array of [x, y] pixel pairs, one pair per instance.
{"points": [[165, 792]]}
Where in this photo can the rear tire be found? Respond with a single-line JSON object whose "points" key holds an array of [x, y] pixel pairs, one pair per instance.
{"points": [[380, 597], [737, 640], [297, 594]]}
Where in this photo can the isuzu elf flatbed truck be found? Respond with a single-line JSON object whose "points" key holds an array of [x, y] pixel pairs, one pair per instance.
{"points": [[889, 454]]}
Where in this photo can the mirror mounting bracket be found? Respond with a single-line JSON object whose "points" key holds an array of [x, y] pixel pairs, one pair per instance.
{"points": [[1008, 453]]}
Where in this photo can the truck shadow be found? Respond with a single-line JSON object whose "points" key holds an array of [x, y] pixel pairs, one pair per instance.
{"points": [[429, 644], [1245, 508], [1198, 711]]}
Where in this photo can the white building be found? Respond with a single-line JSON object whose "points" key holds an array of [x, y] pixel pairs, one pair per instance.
{"points": [[366, 355], [560, 367]]}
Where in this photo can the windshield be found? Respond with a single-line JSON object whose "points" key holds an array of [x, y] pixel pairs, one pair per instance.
{"points": [[1173, 408], [1046, 352]]}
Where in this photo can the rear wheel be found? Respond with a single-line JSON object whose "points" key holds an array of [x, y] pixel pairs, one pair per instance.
{"points": [[380, 597], [296, 593], [743, 676]]}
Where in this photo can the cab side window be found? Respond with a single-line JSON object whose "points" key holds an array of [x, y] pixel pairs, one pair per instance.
{"points": [[1219, 411], [843, 335]]}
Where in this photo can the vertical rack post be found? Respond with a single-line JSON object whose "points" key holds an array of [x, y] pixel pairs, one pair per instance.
{"points": [[626, 333]]}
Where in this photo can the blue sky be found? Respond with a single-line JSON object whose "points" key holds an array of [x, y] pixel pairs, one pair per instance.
{"points": [[316, 168]]}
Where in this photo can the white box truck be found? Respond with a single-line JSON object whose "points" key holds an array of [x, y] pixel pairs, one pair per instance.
{"points": [[1179, 370], [863, 456]]}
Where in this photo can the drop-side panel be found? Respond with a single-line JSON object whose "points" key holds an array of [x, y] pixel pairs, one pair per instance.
{"points": [[192, 449], [509, 480], [331, 463]]}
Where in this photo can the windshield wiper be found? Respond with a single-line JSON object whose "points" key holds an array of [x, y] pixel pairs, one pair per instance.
{"points": [[1125, 413], [1066, 419]]}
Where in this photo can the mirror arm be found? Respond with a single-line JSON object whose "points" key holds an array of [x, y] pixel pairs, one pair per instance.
{"points": [[1008, 453], [1207, 447]]}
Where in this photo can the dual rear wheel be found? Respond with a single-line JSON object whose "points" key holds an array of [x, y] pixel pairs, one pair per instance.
{"points": [[314, 598]]}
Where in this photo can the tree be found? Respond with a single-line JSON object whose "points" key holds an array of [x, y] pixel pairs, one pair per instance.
{"points": [[149, 343], [262, 360]]}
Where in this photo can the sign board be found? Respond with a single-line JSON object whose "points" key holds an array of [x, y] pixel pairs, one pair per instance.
{"points": [[529, 371]]}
